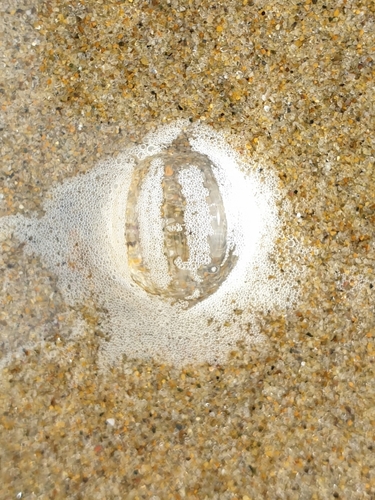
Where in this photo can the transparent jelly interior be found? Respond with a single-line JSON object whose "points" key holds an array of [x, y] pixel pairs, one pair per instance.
{"points": [[176, 227]]}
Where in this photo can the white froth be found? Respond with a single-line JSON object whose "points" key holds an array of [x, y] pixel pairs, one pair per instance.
{"points": [[81, 238]]}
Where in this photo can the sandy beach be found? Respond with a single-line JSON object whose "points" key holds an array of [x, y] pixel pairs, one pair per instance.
{"points": [[291, 87]]}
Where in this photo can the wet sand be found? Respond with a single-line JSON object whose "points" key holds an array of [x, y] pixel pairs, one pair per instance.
{"points": [[292, 86]]}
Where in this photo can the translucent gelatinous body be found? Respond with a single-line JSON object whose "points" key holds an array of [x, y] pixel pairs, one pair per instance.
{"points": [[176, 227]]}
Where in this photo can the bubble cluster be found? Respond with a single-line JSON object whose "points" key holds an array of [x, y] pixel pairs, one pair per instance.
{"points": [[197, 221], [174, 240]]}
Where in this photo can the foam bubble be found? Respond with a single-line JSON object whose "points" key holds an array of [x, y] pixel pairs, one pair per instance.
{"points": [[181, 278]]}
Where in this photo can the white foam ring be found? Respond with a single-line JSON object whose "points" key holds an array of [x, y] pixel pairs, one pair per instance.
{"points": [[82, 239]]}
